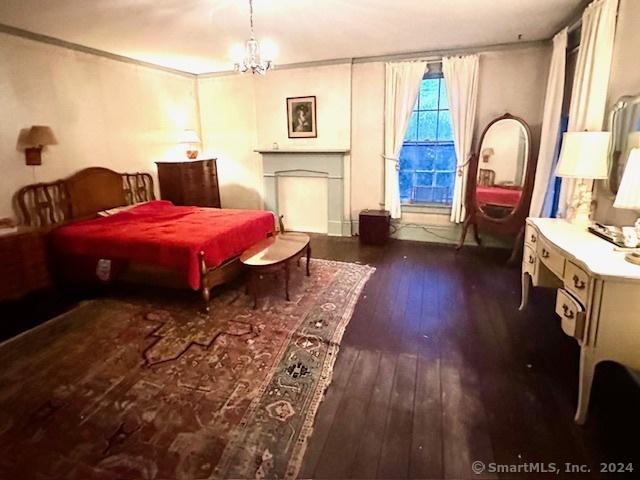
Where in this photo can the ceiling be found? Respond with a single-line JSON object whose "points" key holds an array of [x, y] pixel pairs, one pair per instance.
{"points": [[199, 36]]}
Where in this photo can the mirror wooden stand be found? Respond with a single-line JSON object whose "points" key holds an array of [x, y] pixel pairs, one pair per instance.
{"points": [[500, 181]]}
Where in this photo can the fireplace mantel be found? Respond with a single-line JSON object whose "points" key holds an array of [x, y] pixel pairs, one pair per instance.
{"points": [[308, 162], [342, 151]]}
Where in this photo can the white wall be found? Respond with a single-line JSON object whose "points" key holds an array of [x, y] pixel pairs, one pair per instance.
{"points": [[229, 132], [331, 85], [511, 81], [367, 137], [241, 113], [103, 113], [624, 80], [126, 117]]}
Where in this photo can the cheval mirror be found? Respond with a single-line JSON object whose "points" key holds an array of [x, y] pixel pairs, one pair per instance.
{"points": [[500, 181]]}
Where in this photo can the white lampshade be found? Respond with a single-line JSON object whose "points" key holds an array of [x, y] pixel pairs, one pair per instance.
{"points": [[584, 155], [629, 191], [189, 136]]}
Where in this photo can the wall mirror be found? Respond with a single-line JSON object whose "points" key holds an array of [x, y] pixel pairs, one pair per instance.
{"points": [[500, 180], [624, 124]]}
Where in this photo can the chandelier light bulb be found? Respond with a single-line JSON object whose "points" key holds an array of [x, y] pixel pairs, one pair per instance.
{"points": [[252, 60]]}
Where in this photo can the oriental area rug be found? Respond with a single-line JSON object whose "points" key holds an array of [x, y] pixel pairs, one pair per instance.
{"points": [[123, 388]]}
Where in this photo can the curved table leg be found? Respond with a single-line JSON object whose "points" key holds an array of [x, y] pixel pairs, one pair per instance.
{"points": [[463, 235], [286, 279], [526, 283], [254, 289], [587, 369], [517, 248], [475, 234]]}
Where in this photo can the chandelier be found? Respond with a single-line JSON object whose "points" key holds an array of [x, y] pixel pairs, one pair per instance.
{"points": [[252, 59]]}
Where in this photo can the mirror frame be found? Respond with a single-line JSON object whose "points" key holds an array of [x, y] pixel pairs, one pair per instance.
{"points": [[525, 200], [613, 115], [514, 223]]}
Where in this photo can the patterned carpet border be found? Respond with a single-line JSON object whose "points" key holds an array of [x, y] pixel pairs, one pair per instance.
{"points": [[296, 458]]}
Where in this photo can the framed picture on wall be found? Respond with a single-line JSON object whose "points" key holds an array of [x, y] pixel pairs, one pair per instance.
{"points": [[301, 117]]}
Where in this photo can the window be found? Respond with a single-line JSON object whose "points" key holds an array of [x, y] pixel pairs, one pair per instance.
{"points": [[428, 157]]}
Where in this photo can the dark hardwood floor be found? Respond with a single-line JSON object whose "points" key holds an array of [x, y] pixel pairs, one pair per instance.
{"points": [[438, 369]]}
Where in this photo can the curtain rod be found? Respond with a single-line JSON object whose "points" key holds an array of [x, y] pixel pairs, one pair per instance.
{"points": [[575, 25]]}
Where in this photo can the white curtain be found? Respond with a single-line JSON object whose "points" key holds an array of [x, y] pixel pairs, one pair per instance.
{"points": [[541, 201], [402, 84], [589, 95], [461, 79]]}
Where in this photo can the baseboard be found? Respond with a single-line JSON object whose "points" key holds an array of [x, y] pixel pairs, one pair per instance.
{"points": [[449, 234], [339, 229]]}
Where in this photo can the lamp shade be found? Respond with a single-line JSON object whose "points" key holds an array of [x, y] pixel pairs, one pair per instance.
{"points": [[629, 191], [584, 155], [189, 136], [41, 135]]}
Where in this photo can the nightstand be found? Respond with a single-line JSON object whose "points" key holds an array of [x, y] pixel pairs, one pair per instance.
{"points": [[23, 263]]}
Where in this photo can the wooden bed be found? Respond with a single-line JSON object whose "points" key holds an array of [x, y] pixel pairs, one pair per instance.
{"points": [[89, 191]]}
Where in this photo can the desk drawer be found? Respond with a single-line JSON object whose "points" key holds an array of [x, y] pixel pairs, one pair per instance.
{"points": [[571, 313], [551, 257], [576, 280], [531, 236], [529, 259]]}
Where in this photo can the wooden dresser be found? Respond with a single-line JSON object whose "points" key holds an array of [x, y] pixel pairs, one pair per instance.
{"points": [[190, 182], [23, 263], [598, 295]]}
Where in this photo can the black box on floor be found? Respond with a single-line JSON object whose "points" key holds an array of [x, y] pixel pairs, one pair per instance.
{"points": [[374, 226]]}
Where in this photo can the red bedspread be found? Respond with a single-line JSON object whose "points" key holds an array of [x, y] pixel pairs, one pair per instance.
{"points": [[159, 233], [508, 197]]}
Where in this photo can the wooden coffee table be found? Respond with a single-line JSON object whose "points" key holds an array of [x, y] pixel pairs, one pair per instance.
{"points": [[272, 255]]}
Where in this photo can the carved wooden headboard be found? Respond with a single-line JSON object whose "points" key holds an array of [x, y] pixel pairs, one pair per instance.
{"points": [[81, 195]]}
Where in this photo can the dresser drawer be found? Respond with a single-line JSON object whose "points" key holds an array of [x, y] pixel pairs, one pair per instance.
{"points": [[576, 280], [571, 313], [551, 257], [529, 259], [531, 236]]}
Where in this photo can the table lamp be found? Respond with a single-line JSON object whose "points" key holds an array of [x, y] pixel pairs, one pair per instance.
{"points": [[192, 141], [584, 157], [629, 195]]}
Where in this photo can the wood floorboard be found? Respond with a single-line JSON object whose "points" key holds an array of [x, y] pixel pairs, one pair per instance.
{"points": [[337, 456], [365, 462], [396, 447], [447, 371], [438, 369]]}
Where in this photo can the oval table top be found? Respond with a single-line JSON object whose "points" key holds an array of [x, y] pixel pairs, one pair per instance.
{"points": [[274, 250]]}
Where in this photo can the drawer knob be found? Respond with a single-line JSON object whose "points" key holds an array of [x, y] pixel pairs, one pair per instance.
{"points": [[531, 259], [545, 253], [567, 312], [533, 238], [577, 283]]}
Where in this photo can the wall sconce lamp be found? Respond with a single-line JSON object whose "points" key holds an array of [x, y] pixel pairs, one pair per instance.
{"points": [[39, 136], [487, 153], [192, 141]]}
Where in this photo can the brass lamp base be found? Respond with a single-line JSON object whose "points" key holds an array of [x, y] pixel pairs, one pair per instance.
{"points": [[633, 257]]}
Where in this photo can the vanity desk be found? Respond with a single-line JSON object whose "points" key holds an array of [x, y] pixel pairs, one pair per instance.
{"points": [[598, 297]]}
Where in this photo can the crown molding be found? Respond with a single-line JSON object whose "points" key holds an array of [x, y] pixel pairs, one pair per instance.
{"points": [[37, 37], [428, 55]]}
